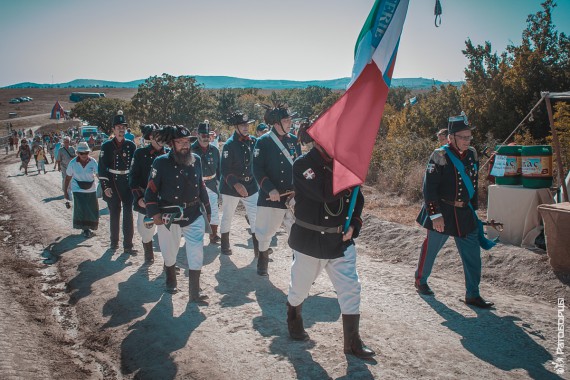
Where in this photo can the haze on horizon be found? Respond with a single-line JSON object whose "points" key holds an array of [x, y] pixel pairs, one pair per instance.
{"points": [[120, 40]]}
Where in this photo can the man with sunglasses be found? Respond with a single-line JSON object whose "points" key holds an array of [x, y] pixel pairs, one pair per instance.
{"points": [[449, 209], [236, 182], [114, 168], [210, 158]]}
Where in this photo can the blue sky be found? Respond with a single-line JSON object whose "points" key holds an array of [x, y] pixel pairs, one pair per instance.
{"points": [[120, 40]]}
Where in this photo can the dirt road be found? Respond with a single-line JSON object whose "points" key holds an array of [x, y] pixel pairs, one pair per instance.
{"points": [[71, 308]]}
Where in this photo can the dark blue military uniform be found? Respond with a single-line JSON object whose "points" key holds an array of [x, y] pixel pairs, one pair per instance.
{"points": [[272, 169], [171, 184], [210, 158], [140, 171], [316, 205], [236, 165], [446, 194], [114, 166]]}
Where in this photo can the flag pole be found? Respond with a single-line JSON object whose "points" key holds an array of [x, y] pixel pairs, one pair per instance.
{"points": [[351, 208]]}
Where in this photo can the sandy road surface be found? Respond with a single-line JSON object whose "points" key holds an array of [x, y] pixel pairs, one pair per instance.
{"points": [[113, 319]]}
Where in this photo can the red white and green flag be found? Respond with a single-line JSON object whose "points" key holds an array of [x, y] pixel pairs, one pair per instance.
{"points": [[347, 130]]}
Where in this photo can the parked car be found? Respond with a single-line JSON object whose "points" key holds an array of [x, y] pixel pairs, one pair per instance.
{"points": [[15, 100], [24, 99]]}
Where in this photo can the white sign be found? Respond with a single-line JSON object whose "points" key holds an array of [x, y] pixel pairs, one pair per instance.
{"points": [[499, 166]]}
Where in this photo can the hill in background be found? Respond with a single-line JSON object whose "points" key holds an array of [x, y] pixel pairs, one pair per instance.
{"points": [[216, 82]]}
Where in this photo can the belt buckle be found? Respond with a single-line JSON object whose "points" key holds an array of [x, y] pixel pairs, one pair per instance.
{"points": [[339, 230]]}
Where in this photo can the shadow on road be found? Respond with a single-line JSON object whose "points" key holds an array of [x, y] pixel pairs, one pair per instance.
{"points": [[147, 349], [131, 297], [498, 341], [55, 250], [91, 271]]}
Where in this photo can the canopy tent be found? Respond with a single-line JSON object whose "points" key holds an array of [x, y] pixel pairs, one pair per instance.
{"points": [[57, 111]]}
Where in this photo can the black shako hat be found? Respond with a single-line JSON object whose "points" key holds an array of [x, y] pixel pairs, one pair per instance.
{"points": [[169, 133], [238, 118], [274, 115], [204, 128], [458, 123], [119, 118], [148, 129]]}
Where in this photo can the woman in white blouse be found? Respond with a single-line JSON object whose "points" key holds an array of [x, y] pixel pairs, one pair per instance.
{"points": [[82, 174]]}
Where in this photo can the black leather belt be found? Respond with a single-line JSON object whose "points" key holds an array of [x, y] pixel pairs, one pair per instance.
{"points": [[246, 179], [321, 229], [455, 203]]}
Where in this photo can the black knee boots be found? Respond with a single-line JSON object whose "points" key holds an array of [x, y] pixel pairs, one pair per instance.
{"points": [[194, 286], [148, 253], [352, 342], [226, 250], [171, 279], [262, 263], [295, 323]]}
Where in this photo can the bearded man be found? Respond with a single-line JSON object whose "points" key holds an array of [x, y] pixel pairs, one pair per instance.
{"points": [[174, 196]]}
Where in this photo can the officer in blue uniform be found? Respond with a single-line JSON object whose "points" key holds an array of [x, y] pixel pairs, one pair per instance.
{"points": [[176, 193], [273, 157], [318, 243], [446, 211], [138, 180], [114, 167], [237, 183], [210, 158]]}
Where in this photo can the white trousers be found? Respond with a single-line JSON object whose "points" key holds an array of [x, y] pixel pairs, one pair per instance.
{"points": [[268, 221], [146, 233], [342, 272], [229, 204], [213, 196], [169, 242]]}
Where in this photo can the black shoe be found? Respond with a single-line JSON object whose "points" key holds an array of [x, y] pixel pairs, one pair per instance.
{"points": [[131, 251], [478, 302], [87, 233], [114, 246], [424, 289]]}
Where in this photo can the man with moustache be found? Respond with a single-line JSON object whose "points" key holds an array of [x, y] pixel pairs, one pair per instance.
{"points": [[210, 158], [450, 201], [273, 157], [114, 167], [138, 180], [176, 186], [237, 183]]}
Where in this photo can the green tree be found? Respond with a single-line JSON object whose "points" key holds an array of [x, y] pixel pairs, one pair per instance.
{"points": [[100, 112], [171, 100]]}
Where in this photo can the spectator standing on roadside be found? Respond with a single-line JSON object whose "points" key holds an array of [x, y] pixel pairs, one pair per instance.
{"points": [[138, 180], [25, 154], [114, 167], [65, 155], [442, 136], [236, 182], [81, 173], [56, 146]]}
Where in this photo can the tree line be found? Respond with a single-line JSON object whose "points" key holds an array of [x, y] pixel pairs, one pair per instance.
{"points": [[499, 90]]}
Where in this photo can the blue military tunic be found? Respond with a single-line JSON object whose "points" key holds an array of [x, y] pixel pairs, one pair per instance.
{"points": [[115, 164], [173, 184], [272, 169], [446, 194], [236, 165], [315, 204], [140, 171], [210, 157]]}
